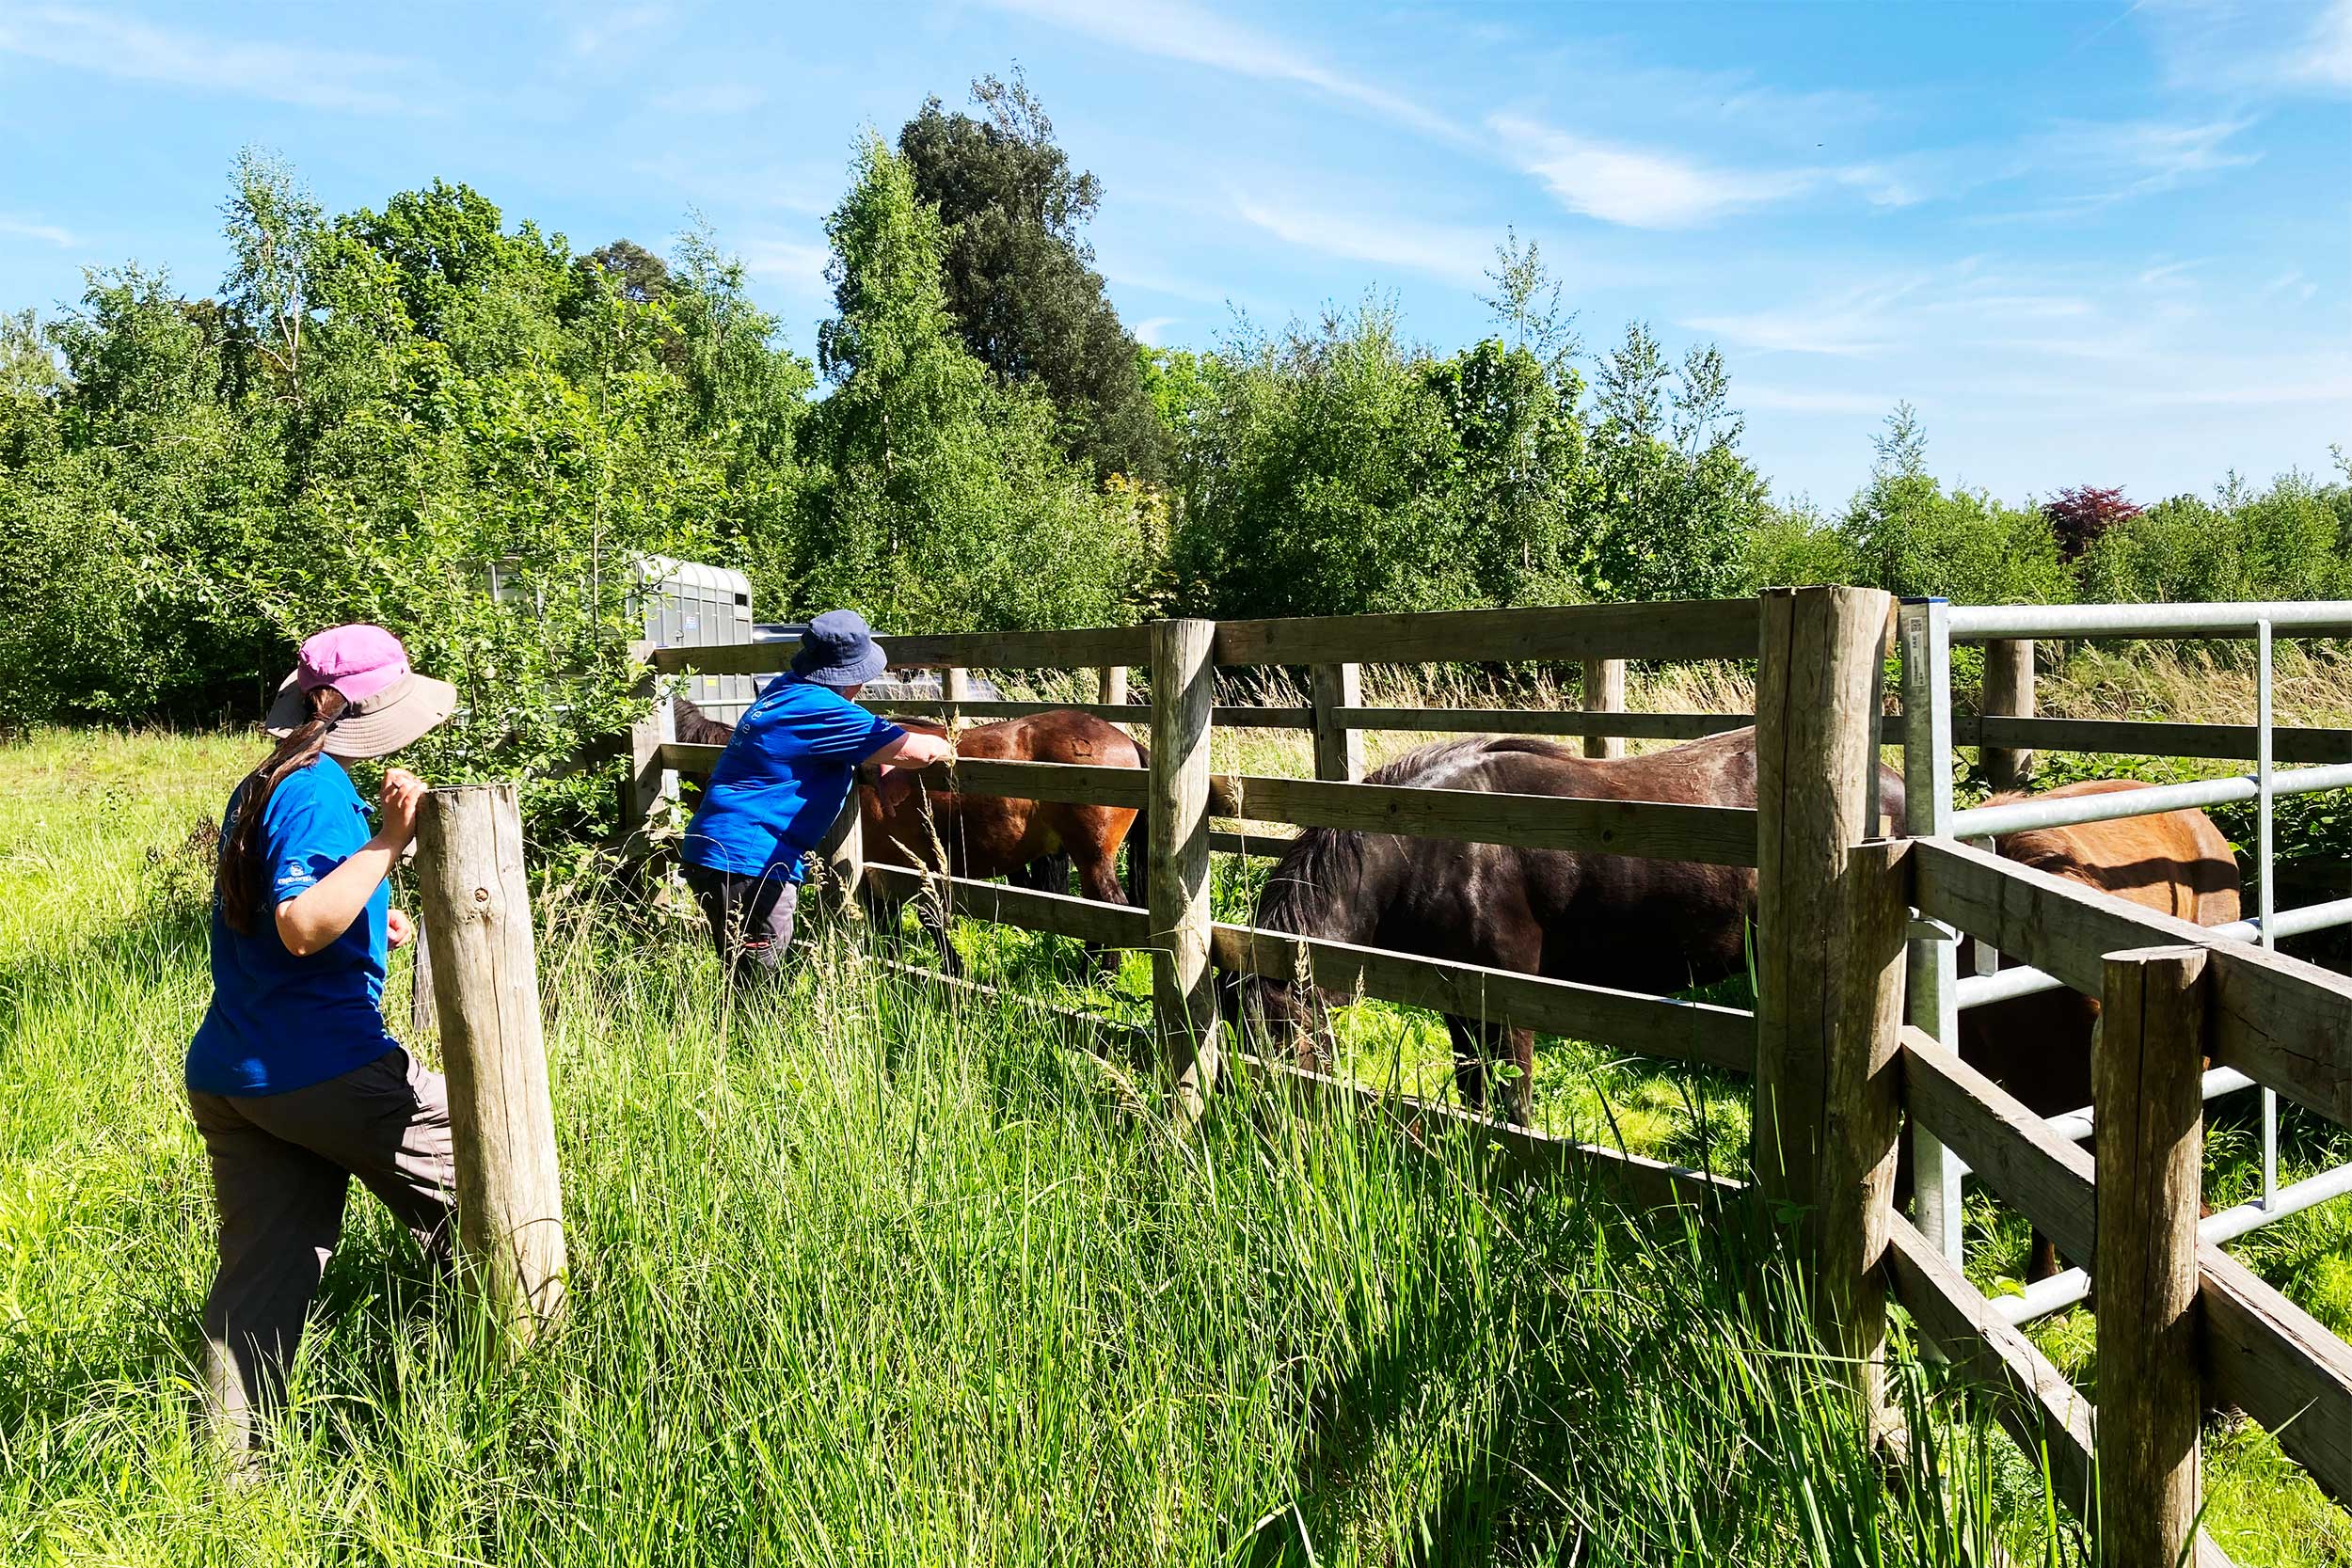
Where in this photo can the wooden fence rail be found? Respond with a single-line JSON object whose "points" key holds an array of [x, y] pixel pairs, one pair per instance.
{"points": [[1834, 1068], [2280, 1020]]}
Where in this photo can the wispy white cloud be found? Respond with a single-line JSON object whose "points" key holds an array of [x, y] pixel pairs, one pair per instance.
{"points": [[794, 265], [2236, 46], [1799, 400], [1851, 323], [1148, 331], [2081, 168], [1644, 189], [2169, 275], [1127, 272], [592, 32], [2326, 58], [1458, 255], [1628, 186], [1173, 30], [762, 186], [714, 98], [2150, 155], [1961, 304], [342, 80], [48, 233], [2291, 284], [2262, 387]]}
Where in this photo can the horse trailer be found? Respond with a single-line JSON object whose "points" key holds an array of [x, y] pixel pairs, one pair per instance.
{"points": [[687, 604]]}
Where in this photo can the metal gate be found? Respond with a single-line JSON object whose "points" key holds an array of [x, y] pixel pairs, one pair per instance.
{"points": [[1938, 992]]}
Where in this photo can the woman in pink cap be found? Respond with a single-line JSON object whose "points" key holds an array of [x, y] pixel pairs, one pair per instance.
{"points": [[295, 1082]]}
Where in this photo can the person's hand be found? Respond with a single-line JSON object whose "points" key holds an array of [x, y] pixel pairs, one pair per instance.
{"points": [[397, 929], [403, 791]]}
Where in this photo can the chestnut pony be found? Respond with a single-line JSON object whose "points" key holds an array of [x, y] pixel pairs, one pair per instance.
{"points": [[1035, 843], [2039, 1047]]}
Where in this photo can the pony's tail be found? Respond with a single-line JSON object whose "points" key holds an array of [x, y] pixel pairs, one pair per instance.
{"points": [[1139, 858], [1223, 801]]}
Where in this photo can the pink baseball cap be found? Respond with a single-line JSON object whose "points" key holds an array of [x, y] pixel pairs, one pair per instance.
{"points": [[387, 705]]}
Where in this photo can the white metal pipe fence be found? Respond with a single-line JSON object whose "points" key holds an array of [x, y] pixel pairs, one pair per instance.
{"points": [[1938, 991]]}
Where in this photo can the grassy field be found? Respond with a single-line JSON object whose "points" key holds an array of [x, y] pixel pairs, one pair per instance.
{"points": [[877, 1273], [2260, 1506]]}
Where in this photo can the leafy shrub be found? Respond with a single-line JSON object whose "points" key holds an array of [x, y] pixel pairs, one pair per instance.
{"points": [[2292, 541], [1796, 545]]}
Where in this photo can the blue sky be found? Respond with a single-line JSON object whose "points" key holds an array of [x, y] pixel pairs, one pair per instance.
{"points": [[2102, 243]]}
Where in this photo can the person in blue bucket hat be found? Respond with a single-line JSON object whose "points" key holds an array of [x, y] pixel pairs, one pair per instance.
{"points": [[781, 783]]}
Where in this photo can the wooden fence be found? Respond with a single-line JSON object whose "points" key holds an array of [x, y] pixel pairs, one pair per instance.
{"points": [[1836, 1069]]}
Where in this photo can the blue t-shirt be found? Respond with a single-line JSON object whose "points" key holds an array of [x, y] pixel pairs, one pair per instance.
{"points": [[782, 780], [277, 1021]]}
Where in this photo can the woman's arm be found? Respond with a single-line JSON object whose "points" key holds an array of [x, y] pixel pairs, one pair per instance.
{"points": [[914, 749], [310, 920]]}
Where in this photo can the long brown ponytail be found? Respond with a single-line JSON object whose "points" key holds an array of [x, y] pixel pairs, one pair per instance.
{"points": [[240, 874]]}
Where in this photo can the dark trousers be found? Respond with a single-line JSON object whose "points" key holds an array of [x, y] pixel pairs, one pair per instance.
{"points": [[282, 1164], [751, 919]]}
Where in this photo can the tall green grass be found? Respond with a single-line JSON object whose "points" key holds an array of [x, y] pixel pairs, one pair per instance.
{"points": [[871, 1272]]}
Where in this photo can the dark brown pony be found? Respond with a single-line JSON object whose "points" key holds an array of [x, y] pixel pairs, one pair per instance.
{"points": [[697, 728], [1609, 920], [2039, 1047], [909, 822]]}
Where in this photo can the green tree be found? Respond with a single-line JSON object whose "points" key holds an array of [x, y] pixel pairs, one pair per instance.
{"points": [[946, 502], [495, 299], [2290, 541], [1910, 538], [1019, 275], [1676, 503], [635, 273]]}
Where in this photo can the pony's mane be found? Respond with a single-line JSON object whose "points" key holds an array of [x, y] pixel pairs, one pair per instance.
{"points": [[1445, 754], [1320, 870]]}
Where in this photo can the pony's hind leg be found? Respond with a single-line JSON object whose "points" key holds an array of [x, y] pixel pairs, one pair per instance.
{"points": [[1098, 878]]}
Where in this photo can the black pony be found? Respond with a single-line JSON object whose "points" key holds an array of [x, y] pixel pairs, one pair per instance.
{"points": [[1611, 920]]}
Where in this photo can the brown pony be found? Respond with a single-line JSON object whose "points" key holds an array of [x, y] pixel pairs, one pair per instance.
{"points": [[1047, 874], [2039, 1047], [910, 822], [1609, 920]]}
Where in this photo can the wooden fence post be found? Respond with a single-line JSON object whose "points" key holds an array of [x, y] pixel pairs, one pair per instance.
{"points": [[2008, 693], [476, 901], [1604, 693], [642, 789], [1182, 691], [843, 853], [955, 686], [1111, 685], [1831, 917], [1339, 750], [2148, 1150]]}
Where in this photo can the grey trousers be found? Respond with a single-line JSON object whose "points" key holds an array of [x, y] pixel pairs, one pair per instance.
{"points": [[751, 919], [282, 1165]]}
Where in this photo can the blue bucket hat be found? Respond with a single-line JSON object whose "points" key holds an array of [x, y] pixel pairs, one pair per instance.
{"points": [[839, 649]]}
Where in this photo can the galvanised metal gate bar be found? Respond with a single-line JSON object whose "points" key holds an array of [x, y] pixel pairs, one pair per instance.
{"points": [[1937, 992]]}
